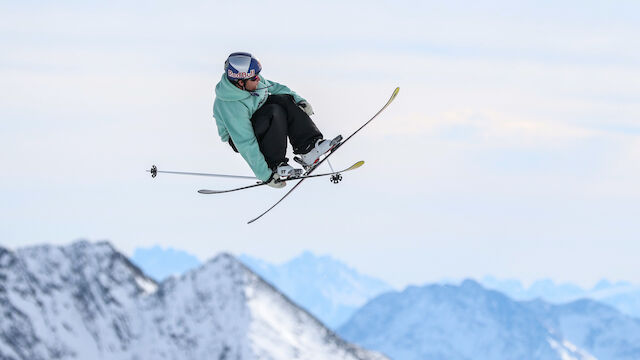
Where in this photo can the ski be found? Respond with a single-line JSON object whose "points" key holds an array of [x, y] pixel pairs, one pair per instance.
{"points": [[332, 174], [315, 166]]}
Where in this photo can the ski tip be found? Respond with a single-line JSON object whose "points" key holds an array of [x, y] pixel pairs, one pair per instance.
{"points": [[253, 220], [356, 165], [205, 191], [395, 92]]}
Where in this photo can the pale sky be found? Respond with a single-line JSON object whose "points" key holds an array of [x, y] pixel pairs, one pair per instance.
{"points": [[513, 148]]}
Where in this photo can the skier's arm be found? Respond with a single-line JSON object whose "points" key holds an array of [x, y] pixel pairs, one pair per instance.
{"points": [[277, 88], [222, 129], [238, 124]]}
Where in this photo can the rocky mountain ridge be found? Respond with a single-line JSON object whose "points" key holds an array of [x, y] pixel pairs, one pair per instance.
{"points": [[88, 301], [471, 322]]}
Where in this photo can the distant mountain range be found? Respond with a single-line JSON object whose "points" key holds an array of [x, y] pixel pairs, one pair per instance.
{"points": [[470, 322], [324, 286], [622, 295], [341, 290], [159, 263], [337, 293], [466, 321], [598, 328], [88, 301]]}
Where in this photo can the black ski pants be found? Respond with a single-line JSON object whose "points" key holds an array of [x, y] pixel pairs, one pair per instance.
{"points": [[279, 118]]}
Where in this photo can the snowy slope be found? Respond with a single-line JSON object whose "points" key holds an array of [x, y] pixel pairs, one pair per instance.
{"points": [[600, 329], [326, 287], [71, 302], [454, 322], [87, 301]]}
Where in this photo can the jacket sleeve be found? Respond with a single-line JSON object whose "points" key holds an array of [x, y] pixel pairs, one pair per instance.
{"points": [[235, 119], [222, 129], [277, 88]]}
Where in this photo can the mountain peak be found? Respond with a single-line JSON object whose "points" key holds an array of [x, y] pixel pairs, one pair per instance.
{"points": [[338, 289], [85, 301], [452, 322], [471, 285], [602, 284]]}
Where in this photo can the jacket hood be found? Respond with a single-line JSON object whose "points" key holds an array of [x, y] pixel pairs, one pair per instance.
{"points": [[226, 91]]}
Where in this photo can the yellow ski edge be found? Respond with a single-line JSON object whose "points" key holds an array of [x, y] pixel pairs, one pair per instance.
{"points": [[355, 166], [395, 93]]}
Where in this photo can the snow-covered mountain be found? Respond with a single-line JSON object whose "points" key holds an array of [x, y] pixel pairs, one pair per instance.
{"points": [[624, 296], [598, 328], [87, 301], [455, 322], [326, 287]]}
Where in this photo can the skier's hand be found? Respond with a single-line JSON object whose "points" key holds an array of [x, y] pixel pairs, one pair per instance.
{"points": [[275, 182], [306, 107]]}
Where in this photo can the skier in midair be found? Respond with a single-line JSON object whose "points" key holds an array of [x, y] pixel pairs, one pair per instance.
{"points": [[255, 116]]}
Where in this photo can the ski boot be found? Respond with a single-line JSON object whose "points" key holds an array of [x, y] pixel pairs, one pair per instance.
{"points": [[313, 156], [287, 171]]}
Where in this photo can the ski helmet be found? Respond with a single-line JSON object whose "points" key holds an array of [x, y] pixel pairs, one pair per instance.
{"points": [[241, 66]]}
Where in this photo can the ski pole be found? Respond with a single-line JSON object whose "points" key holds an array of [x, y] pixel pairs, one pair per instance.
{"points": [[154, 172]]}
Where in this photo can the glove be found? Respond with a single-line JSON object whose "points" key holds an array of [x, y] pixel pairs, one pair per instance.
{"points": [[306, 107], [233, 146], [274, 181]]}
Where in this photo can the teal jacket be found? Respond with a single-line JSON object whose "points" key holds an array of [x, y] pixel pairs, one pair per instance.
{"points": [[233, 109]]}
